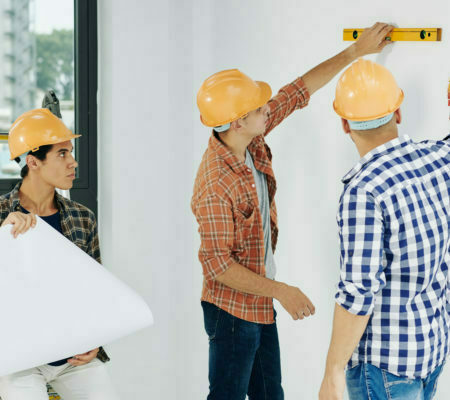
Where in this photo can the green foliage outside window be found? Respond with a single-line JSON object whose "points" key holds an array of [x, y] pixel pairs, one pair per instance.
{"points": [[55, 62]]}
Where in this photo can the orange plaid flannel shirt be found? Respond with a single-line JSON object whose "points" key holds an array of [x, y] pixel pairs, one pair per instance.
{"points": [[225, 204]]}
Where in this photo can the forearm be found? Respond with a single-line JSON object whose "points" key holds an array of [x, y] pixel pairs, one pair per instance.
{"points": [[244, 280], [347, 331], [320, 75]]}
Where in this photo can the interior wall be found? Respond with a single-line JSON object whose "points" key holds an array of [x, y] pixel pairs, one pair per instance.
{"points": [[153, 58]]}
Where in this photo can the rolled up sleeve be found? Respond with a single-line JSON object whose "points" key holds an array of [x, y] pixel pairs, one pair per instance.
{"points": [[289, 98], [361, 233], [216, 228]]}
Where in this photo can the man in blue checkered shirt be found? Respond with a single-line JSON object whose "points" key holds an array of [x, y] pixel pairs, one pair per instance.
{"points": [[392, 317]]}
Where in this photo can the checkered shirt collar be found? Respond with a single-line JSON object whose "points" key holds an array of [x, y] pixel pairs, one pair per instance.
{"points": [[379, 151]]}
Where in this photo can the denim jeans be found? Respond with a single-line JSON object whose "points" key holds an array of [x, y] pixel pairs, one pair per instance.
{"points": [[244, 357], [366, 382]]}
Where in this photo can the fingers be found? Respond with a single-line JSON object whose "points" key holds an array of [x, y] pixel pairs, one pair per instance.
{"points": [[82, 359], [386, 36], [21, 222], [311, 307], [303, 312], [75, 362], [18, 223], [33, 219]]}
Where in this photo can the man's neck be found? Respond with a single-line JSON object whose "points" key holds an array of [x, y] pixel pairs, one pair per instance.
{"points": [[37, 197], [236, 142], [366, 142]]}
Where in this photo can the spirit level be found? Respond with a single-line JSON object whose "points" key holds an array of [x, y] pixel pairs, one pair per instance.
{"points": [[402, 34]]}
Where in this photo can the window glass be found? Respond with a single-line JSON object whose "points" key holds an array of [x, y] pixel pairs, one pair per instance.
{"points": [[36, 55]]}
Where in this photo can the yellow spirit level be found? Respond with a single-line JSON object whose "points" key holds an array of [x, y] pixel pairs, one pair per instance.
{"points": [[402, 34]]}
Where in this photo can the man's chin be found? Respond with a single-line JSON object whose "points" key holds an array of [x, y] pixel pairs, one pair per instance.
{"points": [[65, 187]]}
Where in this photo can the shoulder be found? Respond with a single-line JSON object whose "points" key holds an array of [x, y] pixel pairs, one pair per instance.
{"points": [[440, 147], [78, 211], [214, 177], [4, 206], [4, 200]]}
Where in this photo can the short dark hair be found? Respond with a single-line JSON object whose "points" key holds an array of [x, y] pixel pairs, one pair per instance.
{"points": [[40, 154]]}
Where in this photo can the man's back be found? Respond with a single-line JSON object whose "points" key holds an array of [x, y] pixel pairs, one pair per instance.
{"points": [[394, 227]]}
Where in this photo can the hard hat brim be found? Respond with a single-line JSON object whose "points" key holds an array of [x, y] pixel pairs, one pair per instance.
{"points": [[59, 140], [370, 117]]}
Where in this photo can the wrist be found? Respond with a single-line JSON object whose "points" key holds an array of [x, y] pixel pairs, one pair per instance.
{"points": [[354, 52], [334, 367], [277, 290]]}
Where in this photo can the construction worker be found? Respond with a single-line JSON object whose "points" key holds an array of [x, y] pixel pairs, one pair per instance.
{"points": [[234, 205], [392, 312], [41, 144]]}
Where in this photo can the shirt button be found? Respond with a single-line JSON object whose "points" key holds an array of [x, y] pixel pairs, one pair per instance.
{"points": [[249, 170], [253, 185]]}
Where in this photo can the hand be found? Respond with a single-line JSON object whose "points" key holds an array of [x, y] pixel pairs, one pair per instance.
{"points": [[295, 302], [21, 222], [82, 359], [333, 386], [373, 39]]}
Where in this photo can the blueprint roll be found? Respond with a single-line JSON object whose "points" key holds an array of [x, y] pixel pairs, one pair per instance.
{"points": [[45, 276]]}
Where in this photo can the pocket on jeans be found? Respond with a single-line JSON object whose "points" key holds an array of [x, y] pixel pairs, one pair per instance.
{"points": [[401, 387], [211, 315], [391, 379]]}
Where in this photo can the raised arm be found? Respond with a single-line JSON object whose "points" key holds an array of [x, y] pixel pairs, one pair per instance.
{"points": [[372, 40], [296, 94]]}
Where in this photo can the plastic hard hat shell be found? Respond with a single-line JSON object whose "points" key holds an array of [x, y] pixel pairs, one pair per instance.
{"points": [[228, 95], [36, 128], [366, 91]]}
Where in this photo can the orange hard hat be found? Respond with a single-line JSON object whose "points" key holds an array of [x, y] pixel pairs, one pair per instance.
{"points": [[36, 128], [366, 91], [228, 95]]}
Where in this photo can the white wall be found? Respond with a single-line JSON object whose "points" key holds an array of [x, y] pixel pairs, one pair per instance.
{"points": [[153, 58]]}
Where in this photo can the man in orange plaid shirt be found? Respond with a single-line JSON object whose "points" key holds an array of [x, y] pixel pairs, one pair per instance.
{"points": [[234, 205]]}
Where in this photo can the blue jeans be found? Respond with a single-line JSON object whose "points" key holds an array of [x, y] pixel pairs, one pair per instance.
{"points": [[366, 382], [244, 357]]}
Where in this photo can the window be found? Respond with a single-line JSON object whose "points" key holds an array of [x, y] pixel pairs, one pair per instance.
{"points": [[47, 44]]}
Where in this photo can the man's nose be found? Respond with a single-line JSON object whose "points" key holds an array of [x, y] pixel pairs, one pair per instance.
{"points": [[74, 163]]}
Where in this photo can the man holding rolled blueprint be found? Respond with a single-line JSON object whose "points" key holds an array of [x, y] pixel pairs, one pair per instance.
{"points": [[41, 144]]}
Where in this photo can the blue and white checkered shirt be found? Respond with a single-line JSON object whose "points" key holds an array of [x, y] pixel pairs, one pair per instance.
{"points": [[394, 221]]}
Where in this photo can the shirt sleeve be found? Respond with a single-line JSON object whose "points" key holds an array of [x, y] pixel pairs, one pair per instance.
{"points": [[216, 228], [361, 233], [291, 97], [93, 245]]}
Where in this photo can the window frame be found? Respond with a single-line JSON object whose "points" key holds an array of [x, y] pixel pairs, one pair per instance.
{"points": [[85, 106]]}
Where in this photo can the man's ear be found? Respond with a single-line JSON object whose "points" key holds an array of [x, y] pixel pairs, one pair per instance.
{"points": [[345, 126], [398, 116], [32, 162], [236, 125]]}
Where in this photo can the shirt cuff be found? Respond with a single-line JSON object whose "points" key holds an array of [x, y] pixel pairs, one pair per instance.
{"points": [[302, 91], [358, 305], [213, 267]]}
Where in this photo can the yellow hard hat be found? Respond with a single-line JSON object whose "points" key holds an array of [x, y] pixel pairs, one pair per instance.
{"points": [[366, 91], [36, 128], [228, 95]]}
